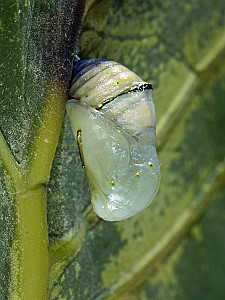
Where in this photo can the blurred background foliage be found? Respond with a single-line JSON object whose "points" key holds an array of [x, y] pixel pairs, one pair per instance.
{"points": [[175, 248]]}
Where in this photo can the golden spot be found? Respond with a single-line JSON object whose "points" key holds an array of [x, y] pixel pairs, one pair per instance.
{"points": [[150, 164], [112, 183], [137, 174], [145, 111]]}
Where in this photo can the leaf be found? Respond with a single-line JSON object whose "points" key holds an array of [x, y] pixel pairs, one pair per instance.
{"points": [[172, 250], [37, 40], [179, 47]]}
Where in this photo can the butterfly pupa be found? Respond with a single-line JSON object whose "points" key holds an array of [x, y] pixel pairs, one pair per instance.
{"points": [[112, 116]]}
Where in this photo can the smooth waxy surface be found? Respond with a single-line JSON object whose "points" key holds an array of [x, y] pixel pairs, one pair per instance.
{"points": [[117, 142], [123, 175]]}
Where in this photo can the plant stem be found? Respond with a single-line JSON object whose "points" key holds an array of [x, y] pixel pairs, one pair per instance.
{"points": [[9, 161], [30, 281], [30, 266]]}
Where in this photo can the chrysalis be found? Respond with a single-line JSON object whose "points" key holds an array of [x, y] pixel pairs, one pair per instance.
{"points": [[113, 119]]}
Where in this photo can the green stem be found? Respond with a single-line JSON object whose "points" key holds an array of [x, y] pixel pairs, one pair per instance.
{"points": [[30, 253], [31, 277], [9, 161], [46, 138]]}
